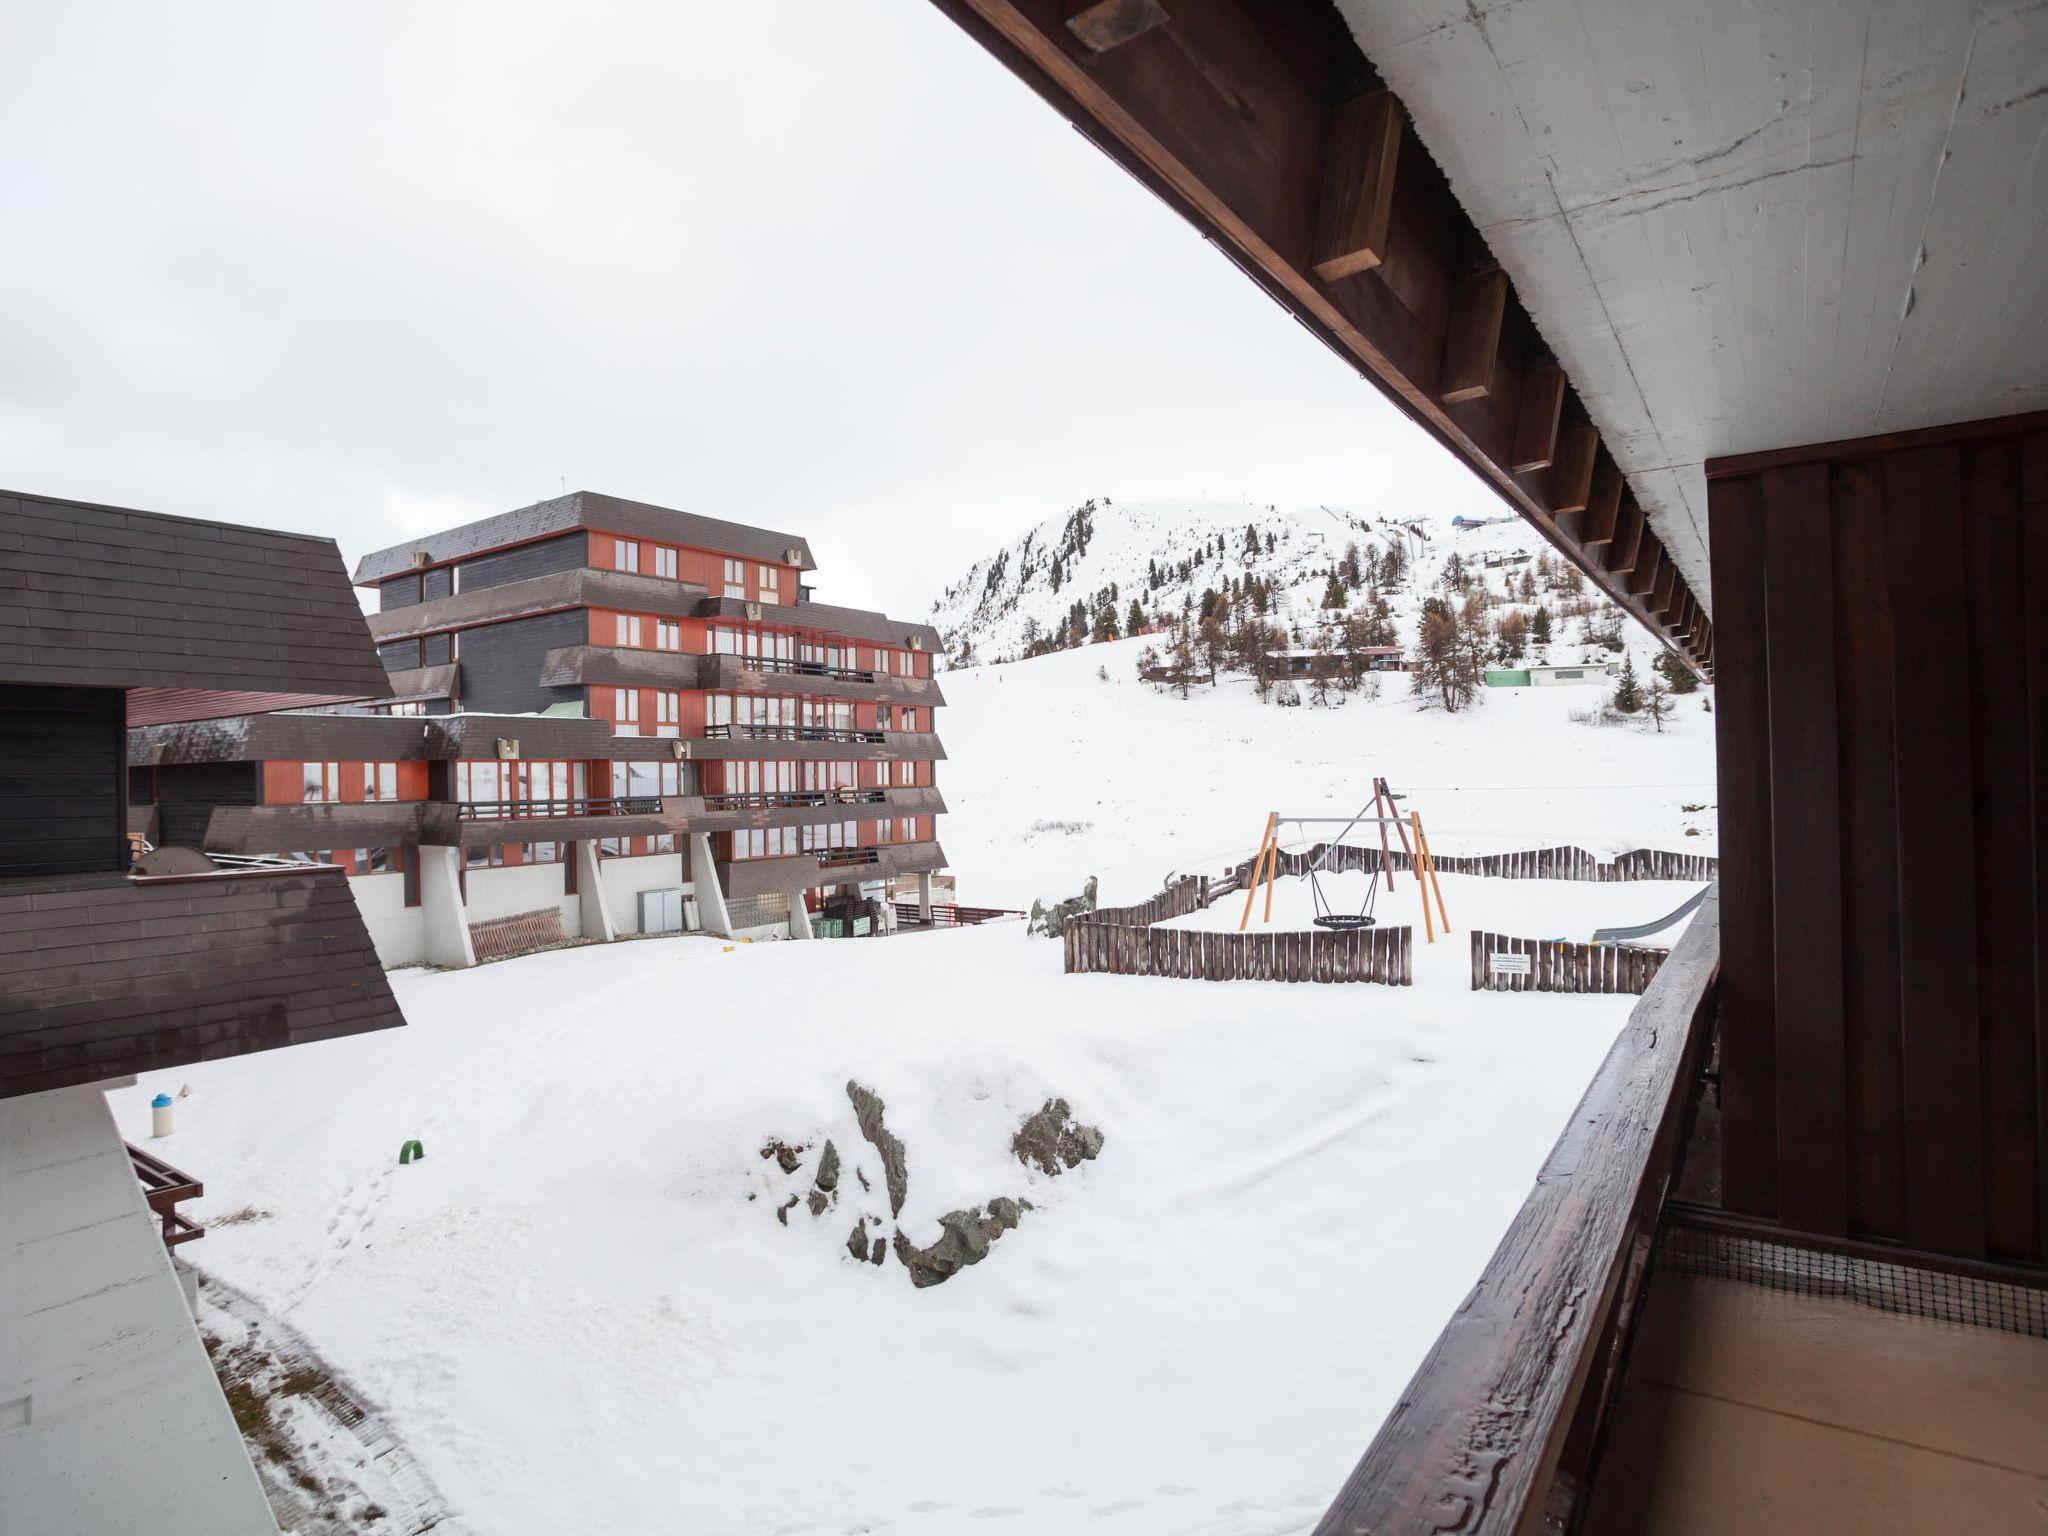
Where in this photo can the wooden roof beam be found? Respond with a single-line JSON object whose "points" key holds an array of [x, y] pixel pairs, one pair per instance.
{"points": [[1603, 506], [1107, 24], [1536, 420], [1571, 476], [1355, 215], [1626, 547], [1478, 308], [1643, 579]]}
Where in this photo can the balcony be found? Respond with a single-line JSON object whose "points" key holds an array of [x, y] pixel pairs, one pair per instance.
{"points": [[163, 1187], [797, 799], [783, 664], [778, 674], [584, 806], [829, 866], [790, 733]]}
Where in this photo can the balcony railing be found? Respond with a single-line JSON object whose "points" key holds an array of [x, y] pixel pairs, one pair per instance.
{"points": [[608, 805], [773, 800], [838, 858], [805, 668], [163, 1187], [789, 733]]}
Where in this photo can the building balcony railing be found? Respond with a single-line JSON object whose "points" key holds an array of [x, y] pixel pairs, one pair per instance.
{"points": [[806, 668], [789, 733], [839, 858], [520, 810], [771, 800]]}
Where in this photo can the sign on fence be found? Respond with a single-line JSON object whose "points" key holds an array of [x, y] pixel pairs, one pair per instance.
{"points": [[1508, 965]]}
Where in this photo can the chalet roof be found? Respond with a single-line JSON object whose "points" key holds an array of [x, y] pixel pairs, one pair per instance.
{"points": [[585, 509], [194, 618]]}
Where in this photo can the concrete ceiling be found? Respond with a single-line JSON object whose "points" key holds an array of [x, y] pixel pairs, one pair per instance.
{"points": [[1748, 225]]}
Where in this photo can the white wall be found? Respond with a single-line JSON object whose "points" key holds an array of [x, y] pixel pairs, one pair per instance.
{"points": [[523, 888], [398, 931], [111, 1419], [625, 879]]}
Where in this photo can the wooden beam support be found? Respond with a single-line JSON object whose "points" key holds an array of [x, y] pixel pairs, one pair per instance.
{"points": [[1478, 306], [1571, 474], [1666, 589], [1627, 544], [1536, 420], [1107, 24], [1356, 213], [1603, 506], [1648, 559]]}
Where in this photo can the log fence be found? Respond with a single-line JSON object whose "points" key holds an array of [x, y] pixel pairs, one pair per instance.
{"points": [[1095, 944], [1558, 965], [1560, 863]]}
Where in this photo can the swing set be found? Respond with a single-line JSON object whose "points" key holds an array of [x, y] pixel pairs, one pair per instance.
{"points": [[1380, 811]]}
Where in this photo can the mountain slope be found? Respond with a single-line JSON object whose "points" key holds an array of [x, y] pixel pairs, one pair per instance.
{"points": [[1167, 554]]}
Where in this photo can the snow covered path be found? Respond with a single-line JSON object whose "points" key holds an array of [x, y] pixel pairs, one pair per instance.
{"points": [[578, 1320]]}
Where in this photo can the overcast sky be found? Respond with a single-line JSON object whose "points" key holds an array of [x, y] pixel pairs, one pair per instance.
{"points": [[369, 270]]}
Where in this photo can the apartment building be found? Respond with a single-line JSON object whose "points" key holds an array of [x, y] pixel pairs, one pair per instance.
{"points": [[111, 1418], [605, 718]]}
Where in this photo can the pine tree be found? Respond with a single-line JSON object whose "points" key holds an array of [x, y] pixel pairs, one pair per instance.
{"points": [[1333, 592], [1539, 627], [1269, 543], [1676, 673], [1251, 539], [1628, 693], [1657, 704], [1134, 622]]}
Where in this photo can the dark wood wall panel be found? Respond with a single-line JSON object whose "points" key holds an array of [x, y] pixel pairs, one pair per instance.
{"points": [[1866, 771], [1749, 1095], [1883, 668], [1806, 839], [63, 775]]}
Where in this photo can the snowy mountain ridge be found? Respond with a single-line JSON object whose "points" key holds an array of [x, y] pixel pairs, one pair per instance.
{"points": [[1166, 554]]}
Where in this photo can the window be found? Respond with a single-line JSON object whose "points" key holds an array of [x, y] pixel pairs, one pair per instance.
{"points": [[663, 842], [612, 847], [373, 861], [883, 715], [766, 843], [380, 781], [668, 635], [664, 562], [320, 783], [543, 853], [735, 578], [625, 555], [415, 707], [667, 712], [628, 628], [490, 856], [771, 580], [625, 712]]}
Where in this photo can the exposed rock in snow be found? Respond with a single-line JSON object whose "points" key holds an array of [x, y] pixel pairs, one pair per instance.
{"points": [[867, 1109], [828, 1168], [964, 1239], [787, 1157], [1053, 1142]]}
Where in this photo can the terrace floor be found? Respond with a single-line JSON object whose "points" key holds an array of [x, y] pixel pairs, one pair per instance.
{"points": [[1758, 1411]]}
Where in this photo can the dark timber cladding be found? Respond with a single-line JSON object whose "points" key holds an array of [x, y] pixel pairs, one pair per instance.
{"points": [[102, 976], [1884, 803], [1265, 127], [60, 779]]}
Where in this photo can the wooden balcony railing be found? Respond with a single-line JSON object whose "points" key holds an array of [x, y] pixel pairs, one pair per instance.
{"points": [[771, 800], [1499, 1427], [947, 914], [789, 733], [163, 1187], [606, 805]]}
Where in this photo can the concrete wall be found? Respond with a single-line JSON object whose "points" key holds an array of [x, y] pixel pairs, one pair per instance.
{"points": [[398, 931], [111, 1418], [524, 888], [625, 879]]}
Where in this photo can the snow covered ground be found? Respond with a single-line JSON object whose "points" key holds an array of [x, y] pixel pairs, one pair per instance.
{"points": [[581, 1313], [1057, 774]]}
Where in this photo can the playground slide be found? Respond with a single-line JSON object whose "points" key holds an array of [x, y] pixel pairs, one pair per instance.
{"points": [[1644, 930]]}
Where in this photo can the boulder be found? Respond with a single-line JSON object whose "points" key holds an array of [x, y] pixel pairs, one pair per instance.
{"points": [[1052, 1141], [1050, 917], [868, 1109], [828, 1168]]}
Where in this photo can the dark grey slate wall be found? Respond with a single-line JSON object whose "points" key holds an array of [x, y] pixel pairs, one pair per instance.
{"points": [[436, 650], [399, 655], [501, 663], [398, 592], [544, 558], [63, 757], [188, 792], [438, 582]]}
